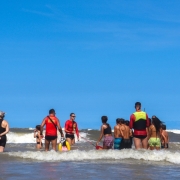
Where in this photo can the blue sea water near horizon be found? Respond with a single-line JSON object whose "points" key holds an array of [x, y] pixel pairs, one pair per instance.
{"points": [[22, 161]]}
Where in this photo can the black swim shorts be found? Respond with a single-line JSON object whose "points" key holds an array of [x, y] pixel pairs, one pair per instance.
{"points": [[50, 138], [3, 140], [140, 136], [70, 136]]}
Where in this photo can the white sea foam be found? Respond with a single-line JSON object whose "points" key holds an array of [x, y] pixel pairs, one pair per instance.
{"points": [[77, 155], [13, 137], [176, 131]]}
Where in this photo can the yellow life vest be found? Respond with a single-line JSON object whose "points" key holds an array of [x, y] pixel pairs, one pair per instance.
{"points": [[140, 115]]}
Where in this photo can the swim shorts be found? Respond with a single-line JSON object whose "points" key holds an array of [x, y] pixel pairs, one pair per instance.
{"points": [[50, 138], [70, 136], [108, 141], [3, 140], [117, 142], [140, 136], [154, 142], [125, 144]]}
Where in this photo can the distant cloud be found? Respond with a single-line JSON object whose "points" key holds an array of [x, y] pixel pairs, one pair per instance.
{"points": [[38, 12]]}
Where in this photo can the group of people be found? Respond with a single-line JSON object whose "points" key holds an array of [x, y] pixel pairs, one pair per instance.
{"points": [[144, 132], [52, 123], [147, 133]]}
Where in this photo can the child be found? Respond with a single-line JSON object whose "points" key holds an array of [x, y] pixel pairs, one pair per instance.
{"points": [[164, 137], [64, 145], [38, 137]]}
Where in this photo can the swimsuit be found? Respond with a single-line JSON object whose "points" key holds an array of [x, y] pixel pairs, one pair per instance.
{"points": [[70, 136], [108, 141], [50, 138], [3, 138], [140, 136], [154, 142], [107, 130], [117, 142], [125, 144]]}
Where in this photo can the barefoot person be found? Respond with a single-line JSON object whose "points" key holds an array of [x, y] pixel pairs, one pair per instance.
{"points": [[117, 134], [4, 129], [106, 133], [139, 122], [71, 128], [52, 123], [155, 134]]}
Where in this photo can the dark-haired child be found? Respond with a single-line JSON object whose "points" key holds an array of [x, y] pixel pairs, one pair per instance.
{"points": [[38, 137]]}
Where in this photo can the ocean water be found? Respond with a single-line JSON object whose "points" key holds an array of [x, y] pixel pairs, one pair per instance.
{"points": [[22, 161]]}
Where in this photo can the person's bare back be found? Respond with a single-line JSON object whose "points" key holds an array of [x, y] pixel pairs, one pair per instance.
{"points": [[123, 130], [126, 133], [117, 131]]}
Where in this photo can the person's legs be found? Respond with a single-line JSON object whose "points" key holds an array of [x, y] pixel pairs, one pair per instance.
{"points": [[54, 144], [47, 142], [38, 145], [157, 148], [144, 143], [1, 149], [137, 143], [105, 147], [73, 141]]}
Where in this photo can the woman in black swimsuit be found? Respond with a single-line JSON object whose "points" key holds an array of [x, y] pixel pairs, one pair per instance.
{"points": [[4, 129], [38, 137]]}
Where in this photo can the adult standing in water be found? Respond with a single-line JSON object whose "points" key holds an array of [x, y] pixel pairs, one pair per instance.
{"points": [[4, 129], [71, 128], [139, 122], [106, 133], [52, 123]]}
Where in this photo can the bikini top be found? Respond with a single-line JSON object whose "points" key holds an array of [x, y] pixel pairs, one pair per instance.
{"points": [[107, 130], [1, 128]]}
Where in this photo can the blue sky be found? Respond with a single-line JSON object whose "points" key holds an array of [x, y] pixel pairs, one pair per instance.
{"points": [[90, 57]]}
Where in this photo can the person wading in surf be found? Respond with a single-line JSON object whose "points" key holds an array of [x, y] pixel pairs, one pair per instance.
{"points": [[71, 128], [155, 134], [126, 142], [106, 133], [117, 134], [139, 122], [52, 123], [4, 129]]}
